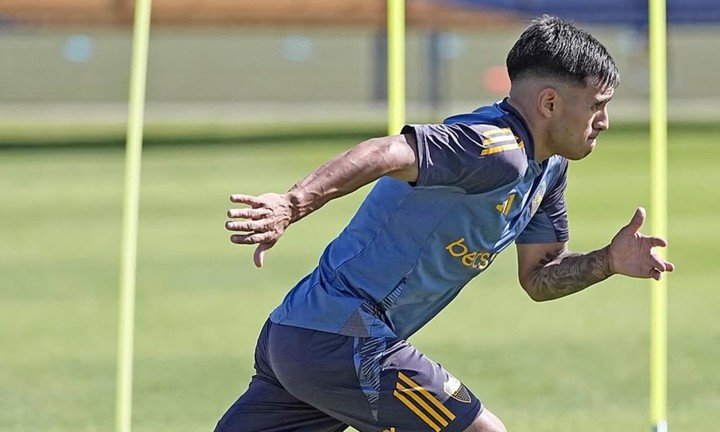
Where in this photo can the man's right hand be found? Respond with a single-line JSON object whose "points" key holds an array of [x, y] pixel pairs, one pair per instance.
{"points": [[269, 214], [262, 223]]}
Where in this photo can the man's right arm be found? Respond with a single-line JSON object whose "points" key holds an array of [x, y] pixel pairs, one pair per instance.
{"points": [[270, 214]]}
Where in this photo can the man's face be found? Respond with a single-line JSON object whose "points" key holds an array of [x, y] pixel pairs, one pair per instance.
{"points": [[582, 115]]}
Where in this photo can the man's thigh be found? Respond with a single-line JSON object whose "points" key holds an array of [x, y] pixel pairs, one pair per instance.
{"points": [[372, 384], [266, 407]]}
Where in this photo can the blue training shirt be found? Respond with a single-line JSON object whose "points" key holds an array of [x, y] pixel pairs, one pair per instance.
{"points": [[410, 249]]}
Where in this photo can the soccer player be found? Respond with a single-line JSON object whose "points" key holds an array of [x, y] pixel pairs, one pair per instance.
{"points": [[450, 198]]}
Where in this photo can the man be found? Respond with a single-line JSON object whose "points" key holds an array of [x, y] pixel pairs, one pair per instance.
{"points": [[449, 199]]}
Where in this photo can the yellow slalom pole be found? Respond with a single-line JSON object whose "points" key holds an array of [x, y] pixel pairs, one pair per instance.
{"points": [[138, 77], [659, 212], [396, 65]]}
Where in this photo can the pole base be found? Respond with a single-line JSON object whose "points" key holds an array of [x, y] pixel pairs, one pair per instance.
{"points": [[660, 427]]}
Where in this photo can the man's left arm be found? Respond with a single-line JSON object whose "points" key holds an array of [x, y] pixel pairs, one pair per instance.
{"points": [[548, 270]]}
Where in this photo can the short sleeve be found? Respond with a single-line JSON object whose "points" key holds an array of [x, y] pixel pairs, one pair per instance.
{"points": [[452, 155], [550, 222]]}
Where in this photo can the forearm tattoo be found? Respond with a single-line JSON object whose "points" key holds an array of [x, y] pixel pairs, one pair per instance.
{"points": [[569, 273]]}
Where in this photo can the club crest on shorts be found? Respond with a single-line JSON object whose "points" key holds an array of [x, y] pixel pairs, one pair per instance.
{"points": [[456, 390]]}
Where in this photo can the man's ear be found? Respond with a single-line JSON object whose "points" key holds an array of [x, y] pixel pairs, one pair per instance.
{"points": [[547, 101]]}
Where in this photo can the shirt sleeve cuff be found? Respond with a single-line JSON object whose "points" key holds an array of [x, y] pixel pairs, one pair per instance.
{"points": [[422, 151]]}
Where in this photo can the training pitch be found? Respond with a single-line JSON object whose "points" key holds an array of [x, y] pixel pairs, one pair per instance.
{"points": [[576, 364]]}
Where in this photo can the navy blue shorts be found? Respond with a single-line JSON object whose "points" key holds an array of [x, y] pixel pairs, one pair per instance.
{"points": [[313, 381]]}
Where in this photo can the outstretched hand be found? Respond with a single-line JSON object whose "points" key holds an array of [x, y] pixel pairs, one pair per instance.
{"points": [[631, 253], [263, 222]]}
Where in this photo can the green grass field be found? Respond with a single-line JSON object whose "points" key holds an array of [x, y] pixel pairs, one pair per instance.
{"points": [[576, 364]]}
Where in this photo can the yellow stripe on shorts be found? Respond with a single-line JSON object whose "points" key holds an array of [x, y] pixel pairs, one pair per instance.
{"points": [[415, 386], [417, 411], [422, 403]]}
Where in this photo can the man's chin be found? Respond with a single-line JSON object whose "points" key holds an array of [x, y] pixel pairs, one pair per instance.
{"points": [[590, 147], [583, 152]]}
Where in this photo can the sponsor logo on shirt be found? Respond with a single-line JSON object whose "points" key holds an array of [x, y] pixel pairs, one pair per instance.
{"points": [[473, 259]]}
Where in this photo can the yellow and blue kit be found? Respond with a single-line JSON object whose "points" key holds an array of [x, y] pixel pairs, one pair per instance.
{"points": [[334, 353]]}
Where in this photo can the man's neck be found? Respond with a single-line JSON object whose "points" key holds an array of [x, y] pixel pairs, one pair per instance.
{"points": [[542, 152]]}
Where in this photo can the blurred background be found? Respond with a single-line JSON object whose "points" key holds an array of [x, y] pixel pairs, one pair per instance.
{"points": [[239, 61], [247, 97]]}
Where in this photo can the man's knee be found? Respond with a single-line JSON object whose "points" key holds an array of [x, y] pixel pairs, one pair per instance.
{"points": [[486, 422]]}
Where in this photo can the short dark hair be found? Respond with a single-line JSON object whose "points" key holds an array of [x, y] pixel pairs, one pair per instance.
{"points": [[552, 47]]}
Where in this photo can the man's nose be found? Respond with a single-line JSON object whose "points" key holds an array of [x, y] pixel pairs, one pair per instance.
{"points": [[602, 121]]}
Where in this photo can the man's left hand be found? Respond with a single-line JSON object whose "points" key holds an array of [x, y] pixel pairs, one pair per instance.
{"points": [[631, 253]]}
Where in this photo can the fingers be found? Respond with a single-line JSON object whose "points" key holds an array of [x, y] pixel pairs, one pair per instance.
{"points": [[660, 266], [657, 242], [263, 222], [250, 200], [249, 213], [656, 274], [254, 238], [248, 226], [657, 263], [637, 220], [259, 255]]}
